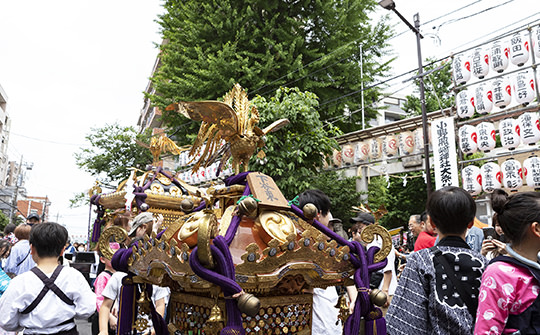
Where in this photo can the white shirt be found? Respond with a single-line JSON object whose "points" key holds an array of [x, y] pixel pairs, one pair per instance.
{"points": [[325, 314], [389, 266], [51, 311]]}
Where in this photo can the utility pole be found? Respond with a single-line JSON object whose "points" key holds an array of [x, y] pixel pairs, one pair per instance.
{"points": [[17, 184]]}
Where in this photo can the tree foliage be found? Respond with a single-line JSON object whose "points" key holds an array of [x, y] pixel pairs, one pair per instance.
{"points": [[112, 151], [437, 89], [296, 152], [265, 44], [4, 220]]}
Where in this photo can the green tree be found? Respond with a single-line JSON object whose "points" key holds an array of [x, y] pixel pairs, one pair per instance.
{"points": [[296, 152], [113, 149], [264, 44], [4, 220], [437, 90]]}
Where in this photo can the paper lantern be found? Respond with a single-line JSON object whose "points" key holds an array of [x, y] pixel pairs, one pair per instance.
{"points": [[511, 173], [524, 87], [472, 179], [375, 148], [361, 152], [483, 99], [519, 48], [486, 136], [491, 176], [336, 158], [480, 63], [531, 170], [509, 133], [390, 145], [461, 66], [500, 53], [536, 39], [502, 92], [529, 128], [418, 140], [468, 139], [347, 154], [406, 142], [464, 104]]}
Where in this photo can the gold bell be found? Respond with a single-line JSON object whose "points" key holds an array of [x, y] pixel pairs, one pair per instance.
{"points": [[247, 206], [215, 315], [310, 211], [343, 307], [249, 304], [186, 205], [378, 297]]}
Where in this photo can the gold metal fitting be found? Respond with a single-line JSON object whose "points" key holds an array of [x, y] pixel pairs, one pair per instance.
{"points": [[247, 206], [310, 211], [378, 297], [186, 205], [215, 315], [249, 304]]}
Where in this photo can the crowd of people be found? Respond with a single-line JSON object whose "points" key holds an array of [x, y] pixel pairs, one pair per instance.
{"points": [[451, 277]]}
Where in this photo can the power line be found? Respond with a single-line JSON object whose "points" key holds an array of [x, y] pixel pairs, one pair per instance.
{"points": [[48, 141]]}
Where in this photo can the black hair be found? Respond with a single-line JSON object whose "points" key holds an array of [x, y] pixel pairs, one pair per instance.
{"points": [[48, 239], [5, 248], [10, 228], [423, 216], [451, 209], [515, 213], [316, 197]]}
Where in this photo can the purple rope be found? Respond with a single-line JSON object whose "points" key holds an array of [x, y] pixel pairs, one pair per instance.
{"points": [[96, 230], [237, 179], [235, 222]]}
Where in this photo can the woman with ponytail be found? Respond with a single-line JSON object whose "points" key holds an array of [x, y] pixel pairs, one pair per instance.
{"points": [[508, 300]]}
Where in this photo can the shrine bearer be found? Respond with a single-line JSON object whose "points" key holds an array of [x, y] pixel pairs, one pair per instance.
{"points": [[47, 299]]}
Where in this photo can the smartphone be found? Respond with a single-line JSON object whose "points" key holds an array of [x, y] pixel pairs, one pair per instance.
{"points": [[489, 233]]}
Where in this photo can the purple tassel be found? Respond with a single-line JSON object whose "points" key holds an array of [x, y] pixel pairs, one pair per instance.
{"points": [[376, 326]]}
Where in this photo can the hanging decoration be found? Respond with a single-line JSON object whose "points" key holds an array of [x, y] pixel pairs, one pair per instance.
{"points": [[468, 139], [418, 140], [519, 48], [464, 104], [406, 142], [483, 99], [336, 158], [480, 63], [509, 133], [375, 148], [500, 53], [486, 136], [390, 145], [502, 92], [511, 172], [347, 154], [361, 152], [461, 66], [531, 169], [472, 179], [529, 128], [524, 87], [536, 39], [491, 176]]}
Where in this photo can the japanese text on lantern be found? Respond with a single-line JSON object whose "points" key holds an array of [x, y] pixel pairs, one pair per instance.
{"points": [[444, 153]]}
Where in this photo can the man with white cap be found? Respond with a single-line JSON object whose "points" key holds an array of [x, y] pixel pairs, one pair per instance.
{"points": [[142, 224]]}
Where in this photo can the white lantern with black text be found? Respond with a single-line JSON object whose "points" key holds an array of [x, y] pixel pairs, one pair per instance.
{"points": [[524, 87], [468, 139], [531, 170], [418, 140], [472, 179], [500, 53], [406, 142], [486, 136], [480, 63], [536, 39], [519, 48], [502, 92], [461, 66], [361, 151], [390, 145], [347, 154], [375, 148], [511, 172], [464, 104], [491, 176], [509, 133], [529, 128], [483, 99], [336, 158]]}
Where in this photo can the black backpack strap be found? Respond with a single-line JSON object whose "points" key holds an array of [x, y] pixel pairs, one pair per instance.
{"points": [[25, 257], [465, 296], [48, 285]]}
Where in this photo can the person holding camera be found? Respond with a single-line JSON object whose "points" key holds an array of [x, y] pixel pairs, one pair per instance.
{"points": [[494, 243]]}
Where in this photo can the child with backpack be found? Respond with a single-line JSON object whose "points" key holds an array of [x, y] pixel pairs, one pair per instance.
{"points": [[438, 289], [509, 301]]}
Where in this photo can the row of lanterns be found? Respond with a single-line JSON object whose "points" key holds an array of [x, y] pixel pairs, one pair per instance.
{"points": [[510, 175], [525, 129], [497, 57], [497, 93], [204, 175], [405, 143]]}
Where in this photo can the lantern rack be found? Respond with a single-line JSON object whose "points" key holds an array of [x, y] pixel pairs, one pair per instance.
{"points": [[507, 153], [517, 110]]}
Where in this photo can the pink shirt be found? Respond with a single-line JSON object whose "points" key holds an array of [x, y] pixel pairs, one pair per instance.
{"points": [[506, 290], [99, 286]]}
